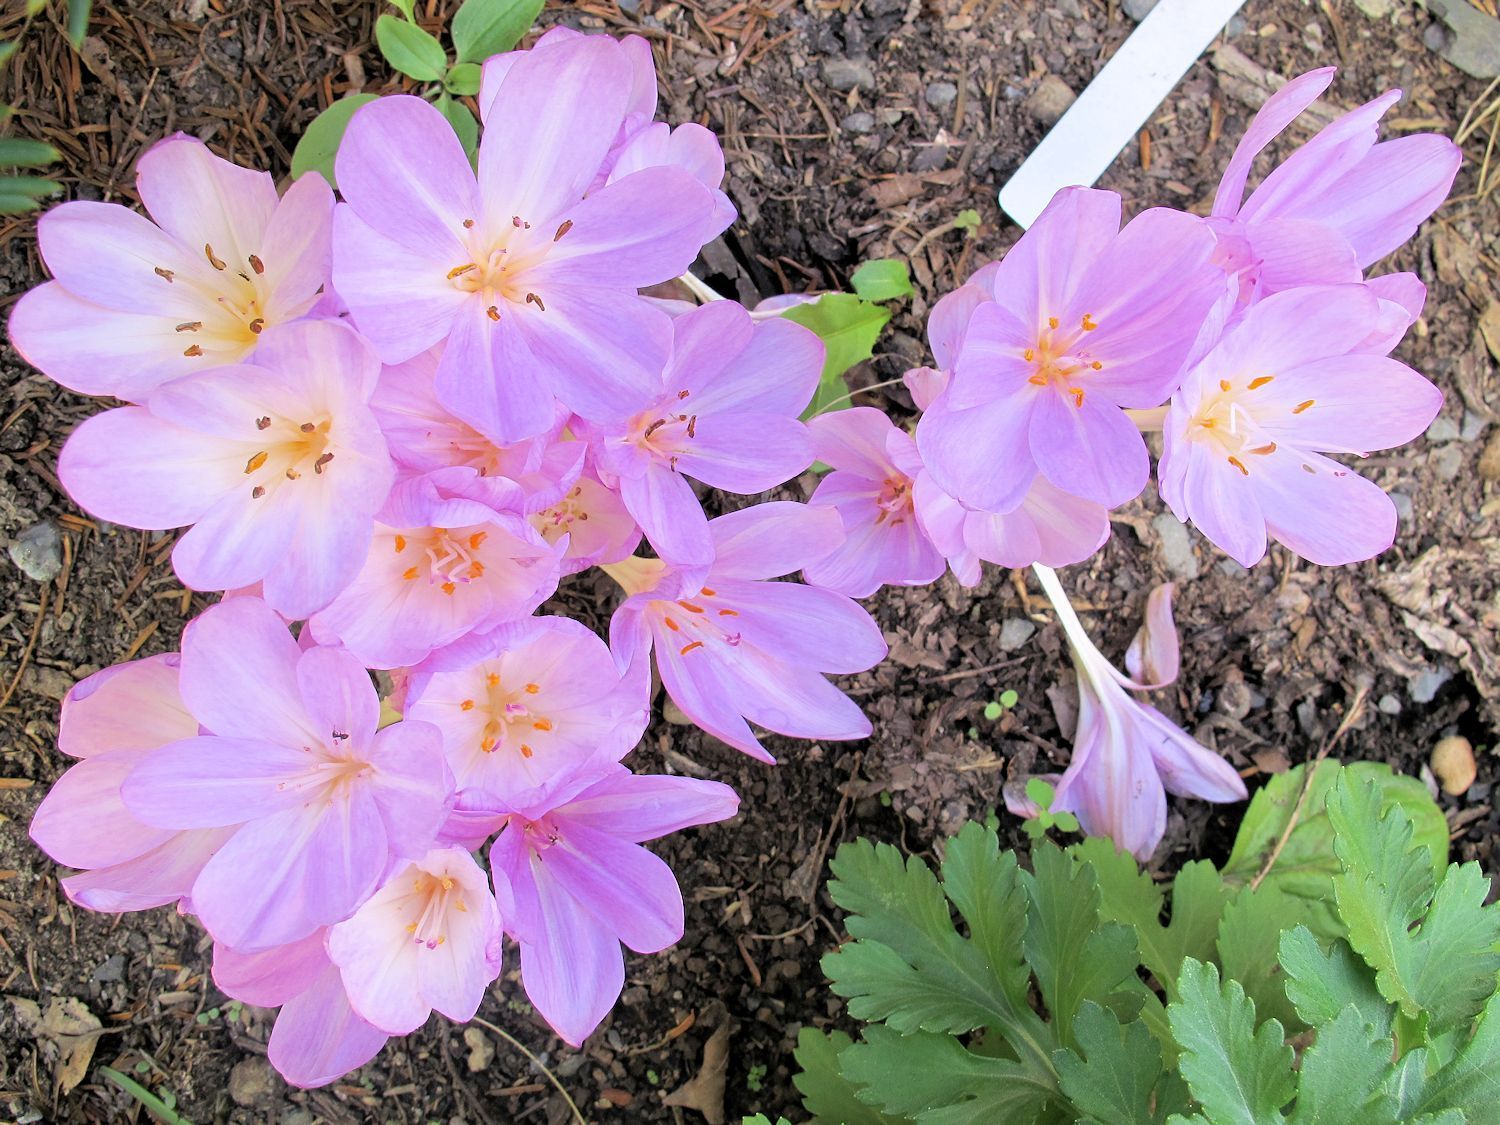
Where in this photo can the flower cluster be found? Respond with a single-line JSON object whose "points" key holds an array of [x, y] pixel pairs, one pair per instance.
{"points": [[391, 423]]}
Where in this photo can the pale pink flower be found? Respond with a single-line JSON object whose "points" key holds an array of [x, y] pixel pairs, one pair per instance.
{"points": [[731, 645], [595, 522], [428, 940], [1247, 432], [110, 722], [725, 411], [276, 467], [525, 704], [320, 802], [444, 562], [136, 304]]}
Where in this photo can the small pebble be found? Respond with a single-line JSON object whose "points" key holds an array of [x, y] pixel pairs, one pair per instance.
{"points": [[38, 551], [941, 94], [1376, 9], [1424, 686], [848, 74], [1389, 705], [1489, 460], [1453, 764], [252, 1082], [1138, 9], [1014, 633], [1176, 546], [1448, 461], [1472, 427], [1050, 100], [1403, 505], [1442, 429], [112, 970], [858, 122]]}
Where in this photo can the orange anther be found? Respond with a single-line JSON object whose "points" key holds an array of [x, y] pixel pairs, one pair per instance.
{"points": [[532, 689], [1224, 384], [1077, 393], [690, 607], [1052, 322], [1088, 322], [1260, 381], [542, 724], [409, 573], [477, 538], [466, 705], [256, 462], [1038, 380], [493, 679], [689, 647], [448, 588], [672, 625], [1301, 406], [400, 543], [1029, 354], [707, 593], [459, 271], [526, 751], [1269, 447], [731, 612], [1240, 465]]}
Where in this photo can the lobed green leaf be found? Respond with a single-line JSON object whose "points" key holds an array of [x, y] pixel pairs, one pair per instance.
{"points": [[831, 1098]]}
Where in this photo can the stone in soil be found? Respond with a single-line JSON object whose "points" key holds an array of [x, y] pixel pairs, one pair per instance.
{"points": [[858, 122], [38, 551], [1176, 546], [1014, 633], [941, 94], [1050, 100], [848, 74]]}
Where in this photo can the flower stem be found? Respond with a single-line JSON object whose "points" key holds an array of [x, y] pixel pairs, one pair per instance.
{"points": [[1148, 421], [700, 289], [1086, 656]]}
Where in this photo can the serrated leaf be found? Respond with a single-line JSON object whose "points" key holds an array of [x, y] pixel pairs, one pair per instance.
{"points": [[412, 51], [319, 147], [883, 279], [482, 28], [1321, 985], [985, 884], [1306, 864], [1343, 1073], [1471, 1082], [1074, 955], [21, 152], [1249, 946], [936, 1081], [1239, 1074], [826, 1094], [1447, 967], [463, 122], [848, 327], [1114, 1072], [1128, 895]]}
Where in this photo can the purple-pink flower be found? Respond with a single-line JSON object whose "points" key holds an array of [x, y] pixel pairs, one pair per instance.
{"points": [[731, 645], [111, 722], [598, 527], [525, 705], [321, 803], [1080, 320], [875, 466], [1247, 432], [724, 411], [574, 883], [137, 303], [428, 940], [277, 467], [445, 561], [528, 274], [1336, 205]]}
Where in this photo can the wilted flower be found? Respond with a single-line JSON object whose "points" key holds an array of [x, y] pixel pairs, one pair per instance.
{"points": [[135, 304]]}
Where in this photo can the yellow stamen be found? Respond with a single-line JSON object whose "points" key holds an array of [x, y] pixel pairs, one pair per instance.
{"points": [[1240, 465], [1260, 381], [1301, 406], [256, 462], [1088, 322], [466, 705], [448, 588], [542, 724], [400, 543], [409, 573]]}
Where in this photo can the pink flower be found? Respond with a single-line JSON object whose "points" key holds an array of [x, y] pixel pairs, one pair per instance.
{"points": [[874, 469], [424, 435], [278, 467], [445, 562], [1127, 755], [136, 304], [111, 721], [318, 1036], [526, 704], [574, 883], [723, 411], [1079, 320], [428, 939], [732, 646], [321, 802], [1246, 434], [594, 520], [1336, 205], [532, 285]]}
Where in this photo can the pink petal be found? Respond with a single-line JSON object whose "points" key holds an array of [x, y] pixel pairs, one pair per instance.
{"points": [[804, 626], [706, 694], [109, 255], [775, 370], [854, 441], [896, 553], [641, 807], [948, 324], [980, 456], [1090, 449], [667, 510], [272, 977], [338, 694], [201, 199], [296, 251], [746, 452], [480, 376], [1153, 657], [772, 539], [1112, 784], [624, 886], [213, 782], [411, 786], [239, 674], [1297, 252], [1297, 505], [1224, 506], [161, 876], [1188, 769], [1361, 403], [83, 823], [992, 364], [318, 1037], [131, 706], [1280, 110], [1041, 271]]}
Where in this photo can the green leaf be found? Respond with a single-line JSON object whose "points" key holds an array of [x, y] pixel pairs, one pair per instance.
{"points": [[826, 1094], [1115, 1072], [1249, 946], [20, 194], [936, 1081], [1238, 1074], [7, 49], [409, 49], [463, 79], [463, 122], [762, 1119], [487, 27], [1447, 967], [78, 21], [19, 152], [967, 219], [1471, 1082], [405, 7], [1306, 864], [848, 327], [1321, 985], [1075, 956], [1129, 896], [883, 279], [1343, 1074], [319, 146]]}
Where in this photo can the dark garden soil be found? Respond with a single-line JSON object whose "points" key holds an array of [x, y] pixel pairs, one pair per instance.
{"points": [[853, 130]]}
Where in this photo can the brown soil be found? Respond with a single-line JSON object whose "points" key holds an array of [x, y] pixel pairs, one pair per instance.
{"points": [[1271, 658]]}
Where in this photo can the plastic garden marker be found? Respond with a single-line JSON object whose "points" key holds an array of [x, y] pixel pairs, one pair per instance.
{"points": [[1115, 105]]}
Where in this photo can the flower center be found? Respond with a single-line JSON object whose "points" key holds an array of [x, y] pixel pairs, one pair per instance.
{"points": [[555, 522], [1059, 361], [512, 719], [699, 621], [664, 430], [450, 557], [432, 897], [1228, 420], [292, 451], [894, 501], [501, 270], [232, 311]]}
